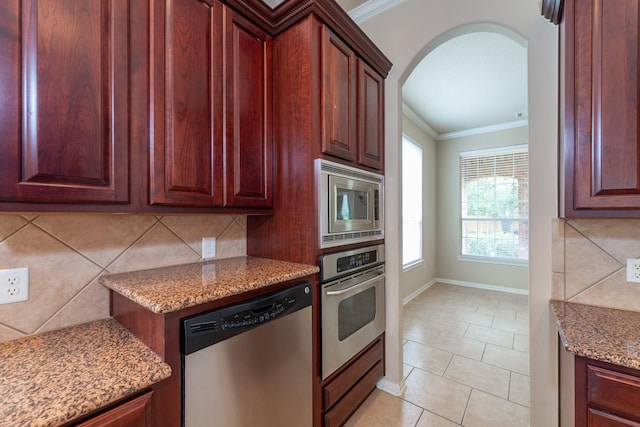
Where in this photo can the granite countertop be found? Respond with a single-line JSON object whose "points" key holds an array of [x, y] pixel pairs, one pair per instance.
{"points": [[51, 378], [599, 333], [168, 289]]}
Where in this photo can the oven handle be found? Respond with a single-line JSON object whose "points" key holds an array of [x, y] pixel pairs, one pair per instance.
{"points": [[358, 285]]}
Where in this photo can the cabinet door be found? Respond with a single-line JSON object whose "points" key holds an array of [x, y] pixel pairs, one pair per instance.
{"points": [[134, 413], [339, 96], [370, 117], [186, 98], [602, 145], [64, 71], [248, 108], [602, 419]]}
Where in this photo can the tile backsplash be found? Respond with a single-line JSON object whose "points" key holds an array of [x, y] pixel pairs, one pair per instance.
{"points": [[66, 253], [589, 261]]}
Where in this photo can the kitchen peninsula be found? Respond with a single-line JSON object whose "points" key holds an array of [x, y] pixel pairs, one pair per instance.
{"points": [[152, 304]]}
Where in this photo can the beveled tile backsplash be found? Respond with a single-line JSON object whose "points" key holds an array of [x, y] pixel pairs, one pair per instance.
{"points": [[66, 253], [589, 261]]}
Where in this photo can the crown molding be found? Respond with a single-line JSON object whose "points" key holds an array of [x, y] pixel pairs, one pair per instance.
{"points": [[371, 8], [483, 129], [422, 124], [415, 118]]}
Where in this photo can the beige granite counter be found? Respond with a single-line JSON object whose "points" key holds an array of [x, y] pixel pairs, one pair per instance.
{"points": [[604, 334], [168, 289], [51, 378]]}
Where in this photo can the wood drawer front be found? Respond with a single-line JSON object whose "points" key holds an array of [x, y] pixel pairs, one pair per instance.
{"points": [[339, 414], [340, 385], [133, 413], [602, 419], [615, 391]]}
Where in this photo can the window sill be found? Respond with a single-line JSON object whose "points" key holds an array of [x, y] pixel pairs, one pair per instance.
{"points": [[487, 260], [412, 265]]}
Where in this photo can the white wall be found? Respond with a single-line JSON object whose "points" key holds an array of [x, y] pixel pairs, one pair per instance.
{"points": [[417, 277], [448, 266], [406, 33]]}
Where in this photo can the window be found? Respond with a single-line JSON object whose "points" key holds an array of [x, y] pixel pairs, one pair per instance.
{"points": [[411, 203], [495, 203]]}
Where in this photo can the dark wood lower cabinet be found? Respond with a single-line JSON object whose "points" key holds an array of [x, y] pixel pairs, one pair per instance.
{"points": [[602, 419], [606, 395], [345, 392], [132, 413]]}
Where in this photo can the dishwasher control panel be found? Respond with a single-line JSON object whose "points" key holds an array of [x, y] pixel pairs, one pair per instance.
{"points": [[253, 317], [205, 329]]}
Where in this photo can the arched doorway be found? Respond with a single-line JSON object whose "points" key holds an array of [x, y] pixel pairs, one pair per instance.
{"points": [[406, 33]]}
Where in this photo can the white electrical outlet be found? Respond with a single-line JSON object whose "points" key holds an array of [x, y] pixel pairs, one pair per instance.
{"points": [[14, 285], [208, 247], [633, 270]]}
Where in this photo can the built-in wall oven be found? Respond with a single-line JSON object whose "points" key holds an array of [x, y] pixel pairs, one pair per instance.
{"points": [[352, 303]]}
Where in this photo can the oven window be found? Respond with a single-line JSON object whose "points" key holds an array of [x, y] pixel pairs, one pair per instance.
{"points": [[351, 204], [355, 312]]}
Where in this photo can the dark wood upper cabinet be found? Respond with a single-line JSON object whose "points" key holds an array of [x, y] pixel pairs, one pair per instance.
{"points": [[64, 113], [211, 90], [167, 106], [248, 138], [186, 92], [601, 138], [370, 116], [339, 94], [353, 95]]}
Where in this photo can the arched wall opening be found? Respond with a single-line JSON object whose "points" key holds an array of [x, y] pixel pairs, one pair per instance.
{"points": [[405, 34]]}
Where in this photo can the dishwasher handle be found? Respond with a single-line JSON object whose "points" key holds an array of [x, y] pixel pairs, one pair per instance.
{"points": [[208, 328]]}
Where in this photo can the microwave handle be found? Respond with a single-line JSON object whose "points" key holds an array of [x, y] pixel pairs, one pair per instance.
{"points": [[359, 285]]}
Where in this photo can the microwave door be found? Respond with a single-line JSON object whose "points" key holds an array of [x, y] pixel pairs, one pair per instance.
{"points": [[350, 205]]}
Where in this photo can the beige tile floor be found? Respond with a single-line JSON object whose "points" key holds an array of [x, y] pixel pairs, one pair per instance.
{"points": [[466, 363]]}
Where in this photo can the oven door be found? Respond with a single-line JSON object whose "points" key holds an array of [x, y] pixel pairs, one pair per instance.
{"points": [[352, 317]]}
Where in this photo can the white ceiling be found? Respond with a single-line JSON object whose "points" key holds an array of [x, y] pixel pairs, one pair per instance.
{"points": [[469, 82]]}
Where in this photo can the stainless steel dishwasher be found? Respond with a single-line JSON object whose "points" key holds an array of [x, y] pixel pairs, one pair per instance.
{"points": [[250, 364]]}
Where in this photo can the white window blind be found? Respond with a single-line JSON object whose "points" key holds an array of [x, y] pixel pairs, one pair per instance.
{"points": [[495, 203]]}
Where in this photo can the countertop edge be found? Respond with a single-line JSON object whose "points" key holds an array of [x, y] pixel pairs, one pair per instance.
{"points": [[159, 289], [597, 333]]}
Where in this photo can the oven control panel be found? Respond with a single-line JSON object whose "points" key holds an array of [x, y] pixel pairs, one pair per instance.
{"points": [[349, 262], [337, 264]]}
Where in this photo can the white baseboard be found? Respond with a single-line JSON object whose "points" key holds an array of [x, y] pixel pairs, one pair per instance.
{"points": [[394, 389], [417, 292], [483, 286]]}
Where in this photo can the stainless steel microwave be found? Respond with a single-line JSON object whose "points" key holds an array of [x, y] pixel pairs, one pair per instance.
{"points": [[351, 203]]}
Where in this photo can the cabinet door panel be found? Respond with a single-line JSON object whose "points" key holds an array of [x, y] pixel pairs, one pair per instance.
{"points": [[597, 418], [67, 136], [134, 413], [371, 117], [248, 138], [613, 390], [339, 95], [606, 149], [185, 161]]}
